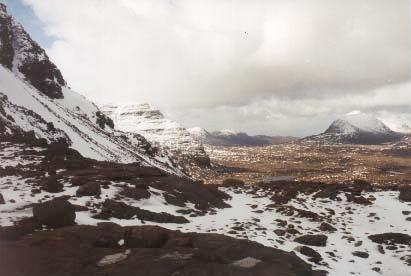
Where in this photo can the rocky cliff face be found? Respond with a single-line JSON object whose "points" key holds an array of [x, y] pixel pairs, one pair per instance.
{"points": [[167, 134], [19, 53]]}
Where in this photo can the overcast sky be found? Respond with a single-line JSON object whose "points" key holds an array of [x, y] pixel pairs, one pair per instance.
{"points": [[286, 67]]}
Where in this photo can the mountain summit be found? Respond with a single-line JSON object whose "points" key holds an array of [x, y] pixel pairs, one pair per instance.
{"points": [[20, 54], [155, 127], [357, 128]]}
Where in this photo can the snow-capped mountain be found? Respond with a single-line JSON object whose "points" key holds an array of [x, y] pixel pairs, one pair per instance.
{"points": [[233, 138], [35, 98], [151, 123], [357, 128]]}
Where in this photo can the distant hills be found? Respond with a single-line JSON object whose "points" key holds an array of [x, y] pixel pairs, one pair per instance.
{"points": [[233, 138], [358, 128]]}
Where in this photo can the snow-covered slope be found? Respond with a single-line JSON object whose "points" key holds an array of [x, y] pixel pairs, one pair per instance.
{"points": [[35, 98], [151, 123], [352, 123], [198, 133], [357, 128], [399, 124]]}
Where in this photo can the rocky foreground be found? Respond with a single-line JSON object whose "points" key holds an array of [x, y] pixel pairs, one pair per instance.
{"points": [[109, 249], [65, 213]]}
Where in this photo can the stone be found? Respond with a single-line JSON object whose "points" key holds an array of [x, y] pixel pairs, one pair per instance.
{"points": [[313, 240], [313, 255], [54, 213], [360, 254], [89, 189], [327, 227]]}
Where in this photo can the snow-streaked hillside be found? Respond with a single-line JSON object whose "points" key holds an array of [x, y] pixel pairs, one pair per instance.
{"points": [[167, 134], [357, 128], [400, 124], [355, 122], [77, 121], [198, 132], [35, 97]]}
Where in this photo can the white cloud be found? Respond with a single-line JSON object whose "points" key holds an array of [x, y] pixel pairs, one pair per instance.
{"points": [[277, 64]]}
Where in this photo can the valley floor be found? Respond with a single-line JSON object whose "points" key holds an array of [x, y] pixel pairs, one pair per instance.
{"points": [[341, 222], [380, 164]]}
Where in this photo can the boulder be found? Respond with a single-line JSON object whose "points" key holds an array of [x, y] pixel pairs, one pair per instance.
{"points": [[147, 237], [391, 238], [54, 213], [327, 227], [313, 240], [120, 210], [2, 201], [313, 255], [136, 193], [89, 189], [360, 254], [279, 232], [52, 185], [405, 194]]}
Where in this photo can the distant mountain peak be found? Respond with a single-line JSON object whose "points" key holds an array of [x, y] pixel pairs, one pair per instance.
{"points": [[156, 128], [357, 128], [357, 121]]}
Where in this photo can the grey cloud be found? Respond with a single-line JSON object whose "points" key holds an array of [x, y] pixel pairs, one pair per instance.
{"points": [[294, 60]]}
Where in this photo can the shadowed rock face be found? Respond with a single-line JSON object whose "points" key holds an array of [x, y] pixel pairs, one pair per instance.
{"points": [[143, 250], [6, 47], [19, 53]]}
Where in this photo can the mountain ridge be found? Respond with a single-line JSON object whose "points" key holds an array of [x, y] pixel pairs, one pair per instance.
{"points": [[357, 128], [234, 138], [149, 122], [32, 84]]}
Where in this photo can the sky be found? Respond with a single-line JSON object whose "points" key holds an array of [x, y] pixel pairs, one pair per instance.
{"points": [[277, 67]]}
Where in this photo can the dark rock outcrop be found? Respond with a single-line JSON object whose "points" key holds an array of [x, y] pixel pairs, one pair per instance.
{"points": [[405, 194], [391, 238], [18, 52], [327, 227], [54, 213], [120, 210], [136, 193], [360, 254], [313, 255], [52, 184], [89, 189], [313, 240], [147, 250], [103, 120]]}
